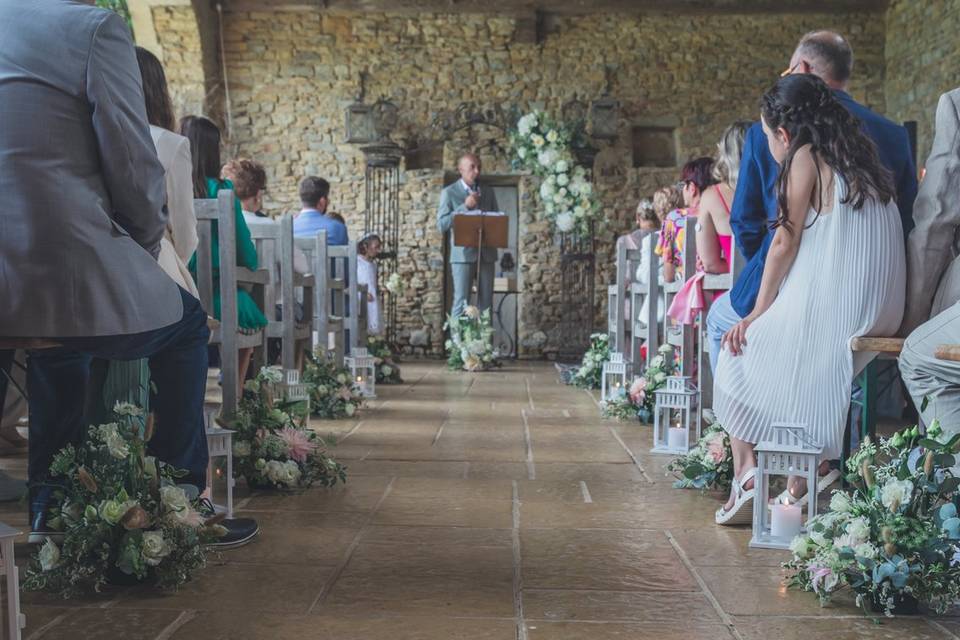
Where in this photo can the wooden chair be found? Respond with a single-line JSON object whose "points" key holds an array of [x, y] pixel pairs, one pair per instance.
{"points": [[682, 337], [227, 334], [328, 292], [275, 248], [347, 304], [646, 331]]}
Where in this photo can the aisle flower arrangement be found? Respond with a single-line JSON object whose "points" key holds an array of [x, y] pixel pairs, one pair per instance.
{"points": [[470, 346], [272, 444], [332, 392], [122, 516], [387, 369], [654, 377], [709, 465], [896, 540], [619, 407], [589, 374], [543, 146]]}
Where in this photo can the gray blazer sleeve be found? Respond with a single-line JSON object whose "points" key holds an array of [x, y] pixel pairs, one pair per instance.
{"points": [[446, 210], [937, 216], [131, 170]]}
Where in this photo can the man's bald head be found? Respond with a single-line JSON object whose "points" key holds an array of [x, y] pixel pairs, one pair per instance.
{"points": [[469, 168], [826, 54]]}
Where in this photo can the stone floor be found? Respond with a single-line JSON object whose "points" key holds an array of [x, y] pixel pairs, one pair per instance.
{"points": [[494, 506]]}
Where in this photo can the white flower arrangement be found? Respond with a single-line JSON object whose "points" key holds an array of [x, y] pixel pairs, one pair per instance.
{"points": [[543, 147], [471, 341], [395, 285]]}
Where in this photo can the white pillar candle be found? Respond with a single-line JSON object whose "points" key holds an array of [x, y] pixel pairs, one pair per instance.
{"points": [[785, 521], [677, 438]]}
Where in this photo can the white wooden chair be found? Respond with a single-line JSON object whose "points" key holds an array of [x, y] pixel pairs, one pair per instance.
{"points": [[646, 331], [682, 337], [226, 333], [275, 248], [714, 283], [328, 291]]}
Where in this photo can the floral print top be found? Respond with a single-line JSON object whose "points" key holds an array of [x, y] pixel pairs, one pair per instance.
{"points": [[672, 235]]}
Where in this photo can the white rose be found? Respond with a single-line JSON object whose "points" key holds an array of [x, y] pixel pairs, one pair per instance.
{"points": [[522, 152], [546, 190], [561, 196], [154, 548], [342, 378], [562, 166], [552, 136], [175, 501], [563, 179], [49, 555], [127, 409], [241, 448], [274, 471], [321, 390], [859, 530], [840, 502], [896, 493], [585, 189], [818, 538], [578, 212], [565, 222], [865, 550], [386, 370], [801, 546], [547, 157], [537, 140]]}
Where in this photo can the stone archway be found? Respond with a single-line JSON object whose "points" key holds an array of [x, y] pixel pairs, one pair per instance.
{"points": [[184, 34]]}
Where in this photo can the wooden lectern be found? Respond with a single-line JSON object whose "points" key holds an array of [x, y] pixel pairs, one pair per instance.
{"points": [[481, 230]]}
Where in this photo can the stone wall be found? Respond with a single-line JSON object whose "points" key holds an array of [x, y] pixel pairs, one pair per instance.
{"points": [[293, 73], [922, 58], [179, 38]]}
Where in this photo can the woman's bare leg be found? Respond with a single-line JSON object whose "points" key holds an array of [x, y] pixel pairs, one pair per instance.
{"points": [[244, 364]]}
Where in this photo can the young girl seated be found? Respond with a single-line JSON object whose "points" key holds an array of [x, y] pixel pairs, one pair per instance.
{"points": [[367, 250]]}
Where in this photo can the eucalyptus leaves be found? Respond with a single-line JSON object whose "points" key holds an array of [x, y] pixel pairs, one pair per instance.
{"points": [[542, 146]]}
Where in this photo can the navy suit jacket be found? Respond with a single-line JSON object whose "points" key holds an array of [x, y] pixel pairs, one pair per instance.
{"points": [[755, 202]]}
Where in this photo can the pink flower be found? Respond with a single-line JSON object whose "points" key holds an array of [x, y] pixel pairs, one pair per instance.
{"points": [[822, 579], [299, 446], [715, 448], [345, 394], [637, 393]]}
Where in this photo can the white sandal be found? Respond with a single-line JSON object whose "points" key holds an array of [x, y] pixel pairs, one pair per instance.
{"points": [[742, 510], [822, 483]]}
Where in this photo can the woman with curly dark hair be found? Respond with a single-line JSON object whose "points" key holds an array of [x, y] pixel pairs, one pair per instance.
{"points": [[835, 271]]}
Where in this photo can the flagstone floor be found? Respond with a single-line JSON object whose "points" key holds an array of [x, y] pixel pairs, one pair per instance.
{"points": [[496, 506]]}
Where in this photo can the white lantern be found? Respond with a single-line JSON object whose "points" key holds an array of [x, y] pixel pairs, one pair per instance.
{"points": [[220, 446], [15, 621], [675, 418], [292, 390], [788, 452], [613, 378], [362, 367]]}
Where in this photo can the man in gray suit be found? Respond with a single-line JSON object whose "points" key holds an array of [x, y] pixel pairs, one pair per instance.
{"points": [[932, 314], [84, 275], [466, 195]]}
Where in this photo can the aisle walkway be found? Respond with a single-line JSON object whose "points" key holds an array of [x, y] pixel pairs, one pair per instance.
{"points": [[497, 507]]}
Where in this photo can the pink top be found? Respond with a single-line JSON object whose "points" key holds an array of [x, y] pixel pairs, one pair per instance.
{"points": [[726, 242]]}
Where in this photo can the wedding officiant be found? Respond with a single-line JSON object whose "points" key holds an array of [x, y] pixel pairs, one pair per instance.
{"points": [[467, 194]]}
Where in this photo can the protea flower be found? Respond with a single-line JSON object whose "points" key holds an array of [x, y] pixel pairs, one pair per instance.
{"points": [[135, 518], [87, 480], [299, 446]]}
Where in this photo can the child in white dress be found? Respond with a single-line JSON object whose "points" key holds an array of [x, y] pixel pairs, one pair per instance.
{"points": [[367, 250]]}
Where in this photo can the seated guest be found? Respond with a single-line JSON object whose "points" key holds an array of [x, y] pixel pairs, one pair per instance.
{"points": [[204, 137], [85, 277], [695, 177], [645, 222], [367, 251], [714, 236], [649, 219], [180, 238], [932, 315], [789, 360], [315, 197], [250, 181]]}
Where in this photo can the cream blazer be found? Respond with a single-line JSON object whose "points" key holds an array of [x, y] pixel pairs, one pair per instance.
{"points": [[180, 239]]}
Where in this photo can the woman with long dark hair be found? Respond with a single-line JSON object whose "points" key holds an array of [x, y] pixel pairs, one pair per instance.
{"points": [[835, 271], [180, 240], [204, 137]]}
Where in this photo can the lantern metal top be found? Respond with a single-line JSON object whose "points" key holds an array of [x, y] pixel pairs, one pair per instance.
{"points": [[616, 357], [788, 437], [677, 385]]}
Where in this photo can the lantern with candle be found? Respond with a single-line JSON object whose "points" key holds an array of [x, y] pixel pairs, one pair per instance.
{"points": [[292, 390], [220, 467], [788, 452], [362, 367], [675, 416], [613, 379]]}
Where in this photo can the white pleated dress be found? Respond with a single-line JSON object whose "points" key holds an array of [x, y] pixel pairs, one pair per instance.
{"points": [[847, 281]]}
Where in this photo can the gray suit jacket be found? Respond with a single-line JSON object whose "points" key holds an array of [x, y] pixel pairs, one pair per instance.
{"points": [[83, 191], [451, 202], [933, 268]]}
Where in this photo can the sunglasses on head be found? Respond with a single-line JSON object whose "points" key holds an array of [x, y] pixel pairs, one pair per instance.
{"points": [[789, 71]]}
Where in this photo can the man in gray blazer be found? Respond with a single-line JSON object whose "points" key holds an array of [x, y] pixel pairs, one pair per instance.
{"points": [[84, 275], [932, 314], [466, 195]]}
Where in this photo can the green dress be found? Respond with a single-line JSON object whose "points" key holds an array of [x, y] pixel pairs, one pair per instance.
{"points": [[250, 315]]}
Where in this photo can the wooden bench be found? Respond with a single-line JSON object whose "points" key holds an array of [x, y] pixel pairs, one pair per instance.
{"points": [[275, 249], [227, 335], [646, 331]]}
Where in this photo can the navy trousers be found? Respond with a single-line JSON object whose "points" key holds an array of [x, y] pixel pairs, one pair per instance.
{"points": [[58, 380]]}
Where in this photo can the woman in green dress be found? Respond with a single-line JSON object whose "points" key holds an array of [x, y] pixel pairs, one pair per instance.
{"points": [[204, 137]]}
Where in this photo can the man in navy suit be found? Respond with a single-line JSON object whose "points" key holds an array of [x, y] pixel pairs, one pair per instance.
{"points": [[828, 55]]}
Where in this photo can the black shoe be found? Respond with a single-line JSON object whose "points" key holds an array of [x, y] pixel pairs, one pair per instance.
{"points": [[40, 499], [240, 531]]}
